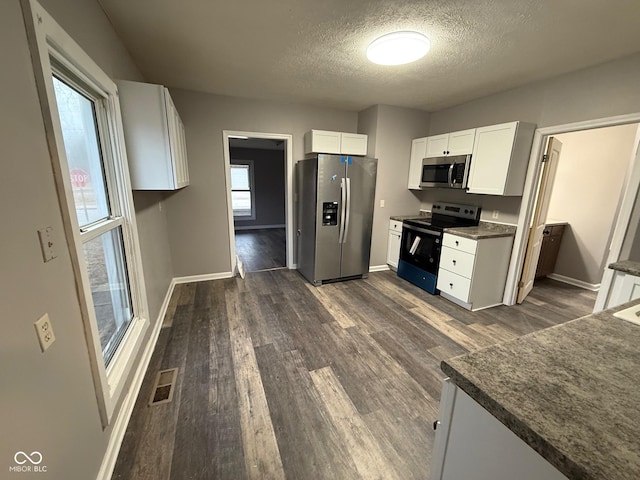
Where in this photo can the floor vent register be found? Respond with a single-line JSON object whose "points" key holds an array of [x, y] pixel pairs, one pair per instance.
{"points": [[163, 387]]}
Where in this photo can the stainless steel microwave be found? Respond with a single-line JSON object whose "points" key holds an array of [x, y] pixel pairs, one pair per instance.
{"points": [[446, 172]]}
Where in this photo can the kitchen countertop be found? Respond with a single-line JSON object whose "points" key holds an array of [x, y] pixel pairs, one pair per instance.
{"points": [[483, 230], [553, 222], [420, 216], [571, 392], [627, 266]]}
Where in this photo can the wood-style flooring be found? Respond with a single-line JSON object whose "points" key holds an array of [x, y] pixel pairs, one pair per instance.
{"points": [[279, 379], [261, 249]]}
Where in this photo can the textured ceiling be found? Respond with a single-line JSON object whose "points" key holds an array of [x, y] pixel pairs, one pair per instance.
{"points": [[313, 51]]}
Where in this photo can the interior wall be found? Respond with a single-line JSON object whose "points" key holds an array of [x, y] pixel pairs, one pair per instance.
{"points": [[586, 193], [87, 24], [602, 91], [269, 182], [48, 403], [197, 215], [390, 131]]}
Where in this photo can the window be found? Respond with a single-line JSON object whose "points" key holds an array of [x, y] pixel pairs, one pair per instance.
{"points": [[242, 190], [82, 114]]}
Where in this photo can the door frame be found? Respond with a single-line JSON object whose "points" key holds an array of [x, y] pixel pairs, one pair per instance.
{"points": [[288, 193], [534, 170]]}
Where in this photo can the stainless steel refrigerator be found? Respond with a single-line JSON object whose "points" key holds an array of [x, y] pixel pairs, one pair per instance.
{"points": [[335, 198]]}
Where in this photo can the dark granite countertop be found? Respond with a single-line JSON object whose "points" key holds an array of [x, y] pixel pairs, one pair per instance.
{"points": [[484, 230], [571, 392], [627, 266], [400, 218]]}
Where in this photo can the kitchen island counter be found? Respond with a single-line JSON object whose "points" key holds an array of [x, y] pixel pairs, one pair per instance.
{"points": [[571, 392]]}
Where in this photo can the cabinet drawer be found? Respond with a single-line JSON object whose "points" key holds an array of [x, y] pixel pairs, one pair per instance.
{"points": [[395, 226], [457, 261], [454, 285], [459, 243]]}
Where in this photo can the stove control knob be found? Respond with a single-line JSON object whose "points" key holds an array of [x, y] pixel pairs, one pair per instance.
{"points": [[471, 212], [466, 211]]}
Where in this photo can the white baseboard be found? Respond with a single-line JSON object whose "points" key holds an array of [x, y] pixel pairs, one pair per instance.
{"points": [[257, 227], [378, 268], [126, 409], [594, 287], [203, 278]]}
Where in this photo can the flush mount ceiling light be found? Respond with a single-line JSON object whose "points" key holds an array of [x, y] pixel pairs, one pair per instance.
{"points": [[398, 48]]}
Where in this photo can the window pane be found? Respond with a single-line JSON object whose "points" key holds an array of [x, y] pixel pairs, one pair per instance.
{"points": [[241, 204], [240, 177], [77, 118], [109, 288]]}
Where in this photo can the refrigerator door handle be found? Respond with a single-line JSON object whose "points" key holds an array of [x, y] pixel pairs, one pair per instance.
{"points": [[343, 193], [348, 216]]}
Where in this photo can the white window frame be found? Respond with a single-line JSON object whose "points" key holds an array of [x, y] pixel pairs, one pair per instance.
{"points": [[48, 40], [252, 190]]}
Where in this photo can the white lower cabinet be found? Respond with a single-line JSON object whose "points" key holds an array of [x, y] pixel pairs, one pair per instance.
{"points": [[473, 273], [626, 287], [471, 443], [393, 245]]}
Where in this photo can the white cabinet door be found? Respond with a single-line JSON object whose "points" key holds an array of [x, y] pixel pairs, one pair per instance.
{"points": [[418, 151], [461, 143], [491, 158], [626, 287], [353, 144], [437, 145], [154, 135], [393, 248], [472, 444], [500, 159], [322, 141], [454, 143]]}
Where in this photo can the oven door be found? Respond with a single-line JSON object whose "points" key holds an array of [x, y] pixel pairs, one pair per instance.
{"points": [[421, 247]]}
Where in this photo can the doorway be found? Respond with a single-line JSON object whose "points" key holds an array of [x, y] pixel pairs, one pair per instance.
{"points": [[259, 202], [588, 208]]}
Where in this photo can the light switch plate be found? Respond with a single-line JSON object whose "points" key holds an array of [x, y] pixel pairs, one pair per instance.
{"points": [[44, 330], [46, 243]]}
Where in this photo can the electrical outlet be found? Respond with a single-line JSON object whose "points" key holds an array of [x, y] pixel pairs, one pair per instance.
{"points": [[496, 214], [381, 203], [44, 330]]}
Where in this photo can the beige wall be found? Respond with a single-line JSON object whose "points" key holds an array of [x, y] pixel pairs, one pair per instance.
{"points": [[48, 401], [602, 91], [586, 193], [197, 215], [390, 131]]}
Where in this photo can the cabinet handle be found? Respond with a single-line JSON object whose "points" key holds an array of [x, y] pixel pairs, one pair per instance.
{"points": [[457, 243], [451, 285], [454, 262], [436, 424], [444, 152]]}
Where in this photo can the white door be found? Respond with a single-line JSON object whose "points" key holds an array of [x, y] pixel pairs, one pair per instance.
{"points": [[534, 245]]}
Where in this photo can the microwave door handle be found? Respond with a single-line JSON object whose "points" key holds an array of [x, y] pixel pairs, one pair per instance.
{"points": [[453, 164]]}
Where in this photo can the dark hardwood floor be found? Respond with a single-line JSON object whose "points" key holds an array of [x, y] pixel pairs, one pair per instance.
{"points": [[280, 379], [261, 249]]}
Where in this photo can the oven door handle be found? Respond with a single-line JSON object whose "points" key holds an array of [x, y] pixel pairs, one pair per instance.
{"points": [[453, 164], [422, 230]]}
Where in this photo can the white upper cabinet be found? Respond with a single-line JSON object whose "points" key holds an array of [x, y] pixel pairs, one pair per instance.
{"points": [[455, 143], [324, 141], [418, 151], [500, 158], [154, 136]]}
